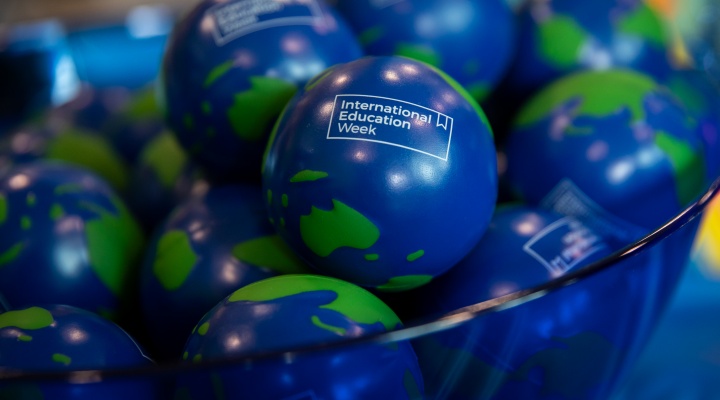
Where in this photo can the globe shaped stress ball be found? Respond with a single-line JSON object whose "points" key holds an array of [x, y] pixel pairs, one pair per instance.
{"points": [[289, 312], [570, 344], [58, 338], [382, 172], [613, 146], [65, 238], [231, 66], [208, 247]]}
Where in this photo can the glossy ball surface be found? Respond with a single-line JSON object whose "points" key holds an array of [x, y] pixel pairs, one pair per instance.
{"points": [[67, 237], [562, 36], [209, 247], [316, 310], [523, 247], [613, 145], [226, 78], [588, 331], [391, 202], [65, 338], [472, 41]]}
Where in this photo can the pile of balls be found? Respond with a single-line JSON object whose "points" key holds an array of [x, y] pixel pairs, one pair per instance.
{"points": [[305, 173]]}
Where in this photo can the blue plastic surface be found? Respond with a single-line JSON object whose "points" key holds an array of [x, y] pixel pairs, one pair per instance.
{"points": [[361, 155]]}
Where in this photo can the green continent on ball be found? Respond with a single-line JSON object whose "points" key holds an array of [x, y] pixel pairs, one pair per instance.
{"points": [[403, 283], [352, 301], [562, 53], [597, 93], [30, 318], [325, 231], [419, 53], [308, 176], [174, 259], [270, 252], [645, 23], [3, 208], [218, 72], [255, 109], [115, 242], [166, 158], [93, 152], [688, 166]]}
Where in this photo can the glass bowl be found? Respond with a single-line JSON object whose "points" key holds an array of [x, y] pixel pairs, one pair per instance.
{"points": [[479, 351], [575, 337]]}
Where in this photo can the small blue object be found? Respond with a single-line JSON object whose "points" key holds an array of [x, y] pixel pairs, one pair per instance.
{"points": [[64, 338], [289, 312], [473, 41], [613, 145], [66, 237], [230, 68], [208, 247], [360, 157]]}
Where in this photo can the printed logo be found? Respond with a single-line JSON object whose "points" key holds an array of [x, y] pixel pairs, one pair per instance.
{"points": [[392, 122], [566, 198], [562, 245], [236, 19]]}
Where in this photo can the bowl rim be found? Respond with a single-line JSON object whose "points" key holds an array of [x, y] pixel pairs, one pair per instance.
{"points": [[412, 330]]}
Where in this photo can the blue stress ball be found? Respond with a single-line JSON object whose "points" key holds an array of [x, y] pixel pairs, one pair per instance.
{"points": [[571, 344], [53, 338], [230, 68], [473, 41], [613, 146], [523, 247], [66, 238], [289, 312], [558, 37], [382, 172], [207, 248]]}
